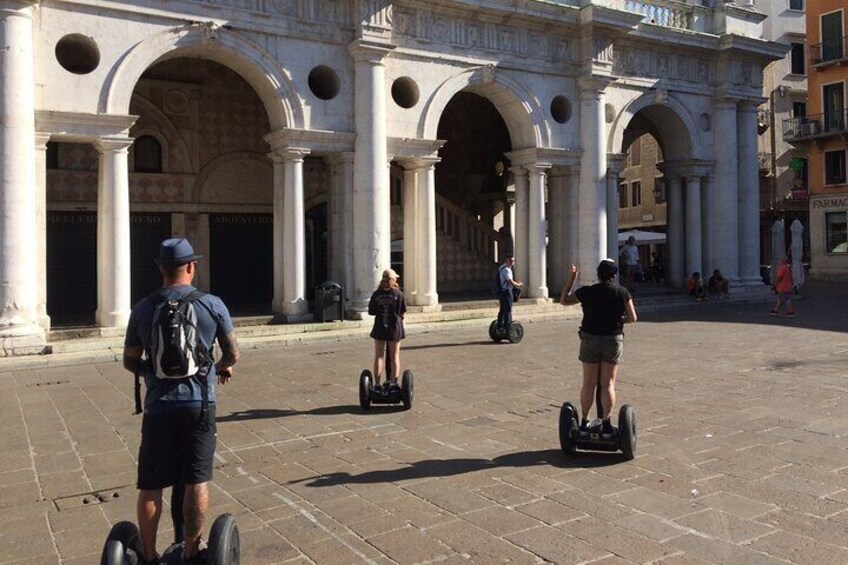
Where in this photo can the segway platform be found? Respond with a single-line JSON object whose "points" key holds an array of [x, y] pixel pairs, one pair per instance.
{"points": [[123, 545], [385, 395], [514, 333], [572, 438]]}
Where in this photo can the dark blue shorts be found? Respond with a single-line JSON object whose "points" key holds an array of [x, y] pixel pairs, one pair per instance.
{"points": [[176, 447]]}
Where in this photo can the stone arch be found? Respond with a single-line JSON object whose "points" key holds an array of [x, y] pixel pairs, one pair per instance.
{"points": [[519, 108], [282, 102], [176, 157], [671, 124], [217, 180]]}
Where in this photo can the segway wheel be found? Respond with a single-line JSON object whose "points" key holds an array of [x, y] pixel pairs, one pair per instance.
{"points": [[516, 332], [365, 380], [224, 545], [494, 334], [567, 426], [406, 389], [627, 431], [122, 539]]}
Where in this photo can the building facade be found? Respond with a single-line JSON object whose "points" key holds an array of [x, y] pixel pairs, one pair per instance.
{"points": [[298, 140], [821, 133], [784, 186]]}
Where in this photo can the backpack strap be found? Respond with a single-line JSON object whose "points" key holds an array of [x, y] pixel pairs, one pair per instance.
{"points": [[203, 372]]}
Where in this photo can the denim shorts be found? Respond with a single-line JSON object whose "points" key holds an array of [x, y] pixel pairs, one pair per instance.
{"points": [[601, 348]]}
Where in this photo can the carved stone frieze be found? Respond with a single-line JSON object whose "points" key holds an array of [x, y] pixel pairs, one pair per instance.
{"points": [[504, 38], [321, 11], [631, 60]]}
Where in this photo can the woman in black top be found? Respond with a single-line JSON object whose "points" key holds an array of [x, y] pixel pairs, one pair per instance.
{"points": [[606, 308], [388, 307]]}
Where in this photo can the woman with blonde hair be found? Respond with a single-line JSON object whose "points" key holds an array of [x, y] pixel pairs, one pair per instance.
{"points": [[388, 306]]}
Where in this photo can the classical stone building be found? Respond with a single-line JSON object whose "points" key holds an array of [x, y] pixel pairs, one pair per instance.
{"points": [[820, 133], [301, 140], [784, 183]]}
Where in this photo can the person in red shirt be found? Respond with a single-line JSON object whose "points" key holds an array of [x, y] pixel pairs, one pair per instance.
{"points": [[783, 285]]}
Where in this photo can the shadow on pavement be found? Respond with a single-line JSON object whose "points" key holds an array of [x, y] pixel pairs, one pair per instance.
{"points": [[440, 345], [433, 468], [271, 413]]}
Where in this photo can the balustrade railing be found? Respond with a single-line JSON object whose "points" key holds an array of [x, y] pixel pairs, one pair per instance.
{"points": [[456, 223]]}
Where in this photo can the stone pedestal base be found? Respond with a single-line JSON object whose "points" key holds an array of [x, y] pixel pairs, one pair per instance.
{"points": [[24, 339]]}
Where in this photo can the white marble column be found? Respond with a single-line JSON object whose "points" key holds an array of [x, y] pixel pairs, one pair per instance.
{"points": [[706, 206], [341, 218], [724, 215], [522, 188], [556, 229], [19, 311], [674, 196], [427, 265], [572, 218], [40, 195], [371, 202], [593, 169], [289, 302], [113, 232], [410, 232], [537, 286], [615, 164], [693, 226], [749, 197]]}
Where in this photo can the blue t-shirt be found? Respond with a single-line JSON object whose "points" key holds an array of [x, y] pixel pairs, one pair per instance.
{"points": [[213, 321], [505, 277]]}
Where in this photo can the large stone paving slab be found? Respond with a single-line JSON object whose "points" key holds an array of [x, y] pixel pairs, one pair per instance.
{"points": [[742, 456]]}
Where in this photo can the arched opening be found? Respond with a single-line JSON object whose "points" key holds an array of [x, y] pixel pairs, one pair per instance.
{"points": [[198, 169], [663, 197], [218, 192], [642, 207], [473, 194]]}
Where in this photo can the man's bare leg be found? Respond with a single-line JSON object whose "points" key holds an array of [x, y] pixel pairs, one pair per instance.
{"points": [[149, 509], [608, 374], [195, 505]]}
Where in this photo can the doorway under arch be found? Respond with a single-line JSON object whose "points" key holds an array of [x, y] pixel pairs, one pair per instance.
{"points": [[471, 193]]}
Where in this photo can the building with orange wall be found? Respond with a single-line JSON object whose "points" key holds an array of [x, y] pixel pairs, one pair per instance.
{"points": [[823, 132]]}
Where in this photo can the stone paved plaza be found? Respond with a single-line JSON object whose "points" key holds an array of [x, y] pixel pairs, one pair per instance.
{"points": [[741, 459]]}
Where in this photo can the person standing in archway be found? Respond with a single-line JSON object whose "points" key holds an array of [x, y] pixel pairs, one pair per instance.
{"points": [[629, 254]]}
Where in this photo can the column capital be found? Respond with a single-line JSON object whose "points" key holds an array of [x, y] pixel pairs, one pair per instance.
{"points": [[725, 103], [113, 144], [41, 140], [592, 86], [537, 168], [286, 154], [370, 51], [752, 104], [16, 7], [417, 163], [616, 162]]}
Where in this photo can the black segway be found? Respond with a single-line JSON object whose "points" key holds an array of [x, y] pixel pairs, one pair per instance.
{"points": [[571, 437], [514, 333], [386, 394], [123, 545]]}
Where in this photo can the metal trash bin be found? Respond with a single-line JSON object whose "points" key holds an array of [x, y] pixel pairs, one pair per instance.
{"points": [[329, 302]]}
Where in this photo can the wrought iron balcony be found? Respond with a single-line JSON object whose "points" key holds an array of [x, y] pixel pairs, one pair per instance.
{"points": [[828, 52], [818, 126]]}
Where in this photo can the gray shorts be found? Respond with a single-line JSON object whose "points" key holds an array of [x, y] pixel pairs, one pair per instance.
{"points": [[598, 348], [784, 296]]}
